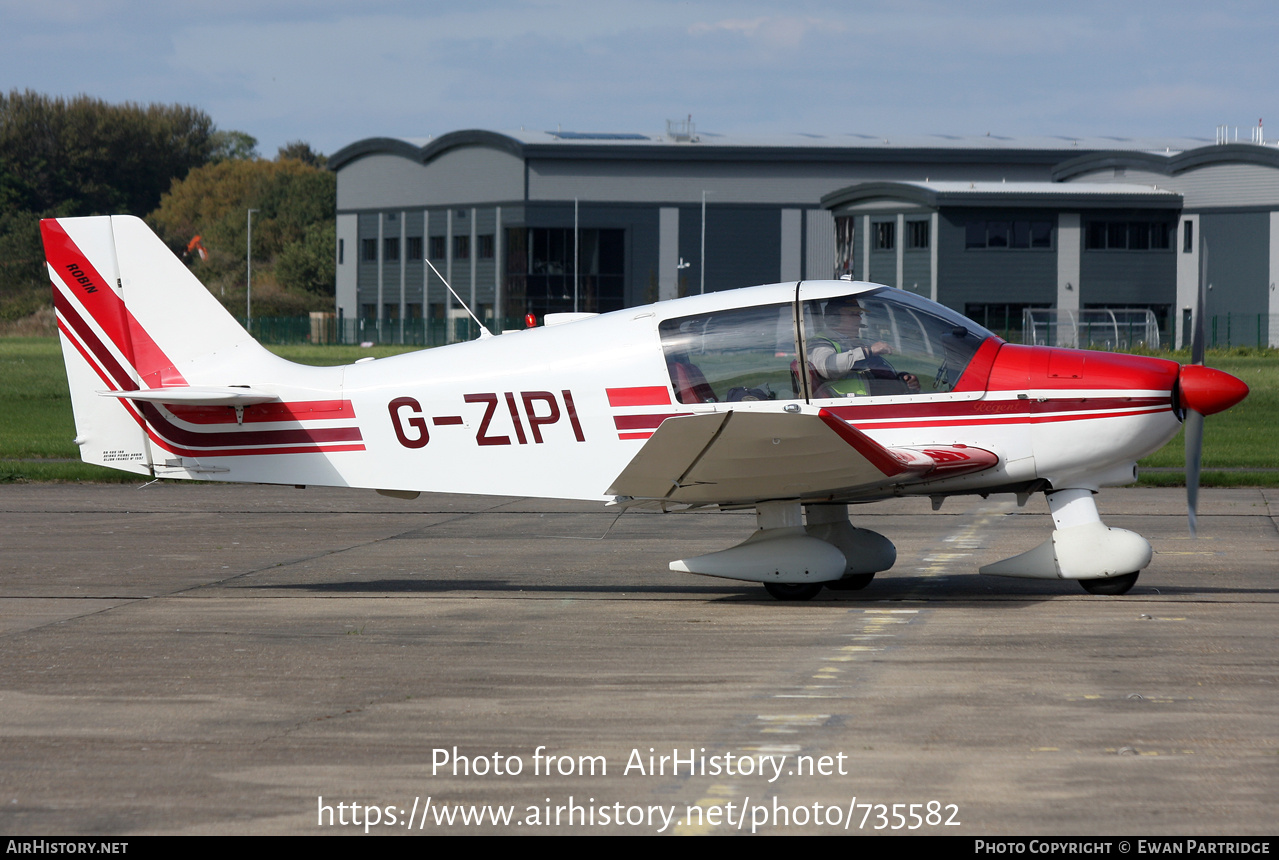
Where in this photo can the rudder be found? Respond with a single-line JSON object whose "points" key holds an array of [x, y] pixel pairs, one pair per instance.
{"points": [[131, 316]]}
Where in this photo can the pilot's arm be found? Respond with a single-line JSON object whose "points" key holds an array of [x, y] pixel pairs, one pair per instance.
{"points": [[830, 364], [836, 364]]}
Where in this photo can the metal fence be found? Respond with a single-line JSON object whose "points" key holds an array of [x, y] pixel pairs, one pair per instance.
{"points": [[1108, 329], [1137, 328], [1255, 330], [327, 328]]}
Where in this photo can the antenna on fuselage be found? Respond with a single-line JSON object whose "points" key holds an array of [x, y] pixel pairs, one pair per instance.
{"points": [[484, 332]]}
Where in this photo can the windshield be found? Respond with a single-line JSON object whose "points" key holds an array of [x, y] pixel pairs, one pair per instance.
{"points": [[886, 342]]}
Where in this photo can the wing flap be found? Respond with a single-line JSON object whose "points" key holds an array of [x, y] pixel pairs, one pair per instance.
{"points": [[744, 456], [666, 457]]}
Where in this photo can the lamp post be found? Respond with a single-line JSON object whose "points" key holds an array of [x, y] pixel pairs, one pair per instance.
{"points": [[248, 265], [576, 256]]}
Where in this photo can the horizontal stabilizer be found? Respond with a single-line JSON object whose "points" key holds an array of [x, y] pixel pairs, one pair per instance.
{"points": [[197, 395]]}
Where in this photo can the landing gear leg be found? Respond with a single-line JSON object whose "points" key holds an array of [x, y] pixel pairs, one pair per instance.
{"points": [[865, 551], [1104, 560], [779, 554]]}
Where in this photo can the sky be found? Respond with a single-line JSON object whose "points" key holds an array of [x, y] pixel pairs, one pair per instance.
{"points": [[330, 72]]}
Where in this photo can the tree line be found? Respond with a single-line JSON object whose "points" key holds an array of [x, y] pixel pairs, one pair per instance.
{"points": [[191, 181]]}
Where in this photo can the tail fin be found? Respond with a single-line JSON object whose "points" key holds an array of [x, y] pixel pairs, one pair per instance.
{"points": [[131, 316]]}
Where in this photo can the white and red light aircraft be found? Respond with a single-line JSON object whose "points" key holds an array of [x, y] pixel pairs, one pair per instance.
{"points": [[714, 400]]}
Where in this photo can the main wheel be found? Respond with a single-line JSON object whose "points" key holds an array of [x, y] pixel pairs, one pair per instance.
{"points": [[1113, 585], [854, 582], [793, 590]]}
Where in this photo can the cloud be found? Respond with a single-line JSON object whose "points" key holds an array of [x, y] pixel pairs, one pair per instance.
{"points": [[332, 71], [781, 33]]}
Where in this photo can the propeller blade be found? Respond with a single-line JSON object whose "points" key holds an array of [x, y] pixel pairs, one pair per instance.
{"points": [[1207, 394], [1202, 391], [1194, 456]]}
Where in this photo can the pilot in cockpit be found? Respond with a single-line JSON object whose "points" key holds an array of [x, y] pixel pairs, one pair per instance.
{"points": [[845, 363]]}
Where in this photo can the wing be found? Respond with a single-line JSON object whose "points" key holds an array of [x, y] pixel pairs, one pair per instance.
{"points": [[746, 456]]}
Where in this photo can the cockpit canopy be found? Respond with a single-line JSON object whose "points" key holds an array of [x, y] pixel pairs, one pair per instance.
{"points": [[904, 345]]}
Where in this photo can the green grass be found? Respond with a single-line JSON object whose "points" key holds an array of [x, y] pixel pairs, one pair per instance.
{"points": [[326, 356], [36, 427], [1240, 437]]}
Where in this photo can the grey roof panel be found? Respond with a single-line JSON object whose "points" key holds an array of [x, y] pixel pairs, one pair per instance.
{"points": [[714, 146], [1022, 194]]}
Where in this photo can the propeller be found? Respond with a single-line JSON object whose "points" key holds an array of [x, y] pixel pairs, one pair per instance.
{"points": [[1195, 418], [1202, 391]]}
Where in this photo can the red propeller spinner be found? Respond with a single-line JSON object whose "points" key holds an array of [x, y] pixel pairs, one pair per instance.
{"points": [[1208, 391]]}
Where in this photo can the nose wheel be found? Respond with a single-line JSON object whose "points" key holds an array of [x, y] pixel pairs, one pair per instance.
{"points": [[1114, 585]]}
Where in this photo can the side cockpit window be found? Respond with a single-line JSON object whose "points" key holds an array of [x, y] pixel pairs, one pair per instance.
{"points": [[886, 342], [740, 354]]}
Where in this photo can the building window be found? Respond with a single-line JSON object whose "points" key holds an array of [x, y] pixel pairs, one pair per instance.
{"points": [[461, 247], [341, 251], [485, 249], [539, 266], [413, 310], [1188, 237], [368, 310], [391, 249], [368, 250], [413, 248], [884, 235], [1128, 236], [1004, 320], [1018, 235], [917, 235], [437, 247], [391, 311]]}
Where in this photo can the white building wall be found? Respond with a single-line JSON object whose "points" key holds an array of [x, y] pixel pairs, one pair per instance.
{"points": [[1274, 278], [348, 232], [792, 245], [1188, 276], [1069, 247], [667, 253], [819, 244]]}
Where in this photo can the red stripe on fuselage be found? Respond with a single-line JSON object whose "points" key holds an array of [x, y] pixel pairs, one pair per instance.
{"points": [[176, 439], [650, 395], [942, 423], [182, 436], [1028, 409], [643, 422]]}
